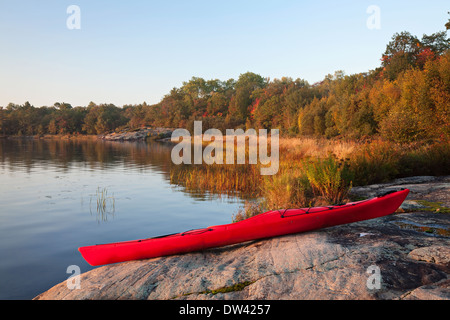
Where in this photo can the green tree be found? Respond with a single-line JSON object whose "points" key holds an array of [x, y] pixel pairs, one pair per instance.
{"points": [[241, 103], [437, 42], [109, 117], [400, 54]]}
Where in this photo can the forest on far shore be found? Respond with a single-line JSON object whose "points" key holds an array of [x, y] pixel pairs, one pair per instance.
{"points": [[405, 99]]}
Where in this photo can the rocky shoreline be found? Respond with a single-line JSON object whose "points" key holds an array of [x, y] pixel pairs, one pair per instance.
{"points": [[140, 134], [410, 249], [127, 134]]}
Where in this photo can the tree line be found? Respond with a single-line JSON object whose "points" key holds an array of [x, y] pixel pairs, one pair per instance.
{"points": [[407, 98]]}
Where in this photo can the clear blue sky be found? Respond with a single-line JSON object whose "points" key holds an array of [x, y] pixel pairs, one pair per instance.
{"points": [[127, 52]]}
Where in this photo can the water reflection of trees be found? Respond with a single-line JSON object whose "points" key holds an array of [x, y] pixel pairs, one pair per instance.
{"points": [[91, 154]]}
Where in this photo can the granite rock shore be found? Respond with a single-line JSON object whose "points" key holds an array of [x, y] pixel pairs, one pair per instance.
{"points": [[404, 256], [140, 134]]}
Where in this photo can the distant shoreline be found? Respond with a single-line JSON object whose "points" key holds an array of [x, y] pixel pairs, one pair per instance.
{"points": [[135, 134], [53, 137]]}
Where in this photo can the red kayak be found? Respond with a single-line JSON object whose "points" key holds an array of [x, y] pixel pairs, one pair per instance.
{"points": [[266, 225]]}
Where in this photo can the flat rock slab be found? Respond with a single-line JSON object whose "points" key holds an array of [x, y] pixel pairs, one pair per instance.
{"points": [[422, 187], [435, 254]]}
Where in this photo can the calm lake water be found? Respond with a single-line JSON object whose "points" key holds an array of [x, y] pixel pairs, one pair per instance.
{"points": [[48, 205]]}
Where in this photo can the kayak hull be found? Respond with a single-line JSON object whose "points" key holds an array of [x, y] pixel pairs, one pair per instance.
{"points": [[266, 225]]}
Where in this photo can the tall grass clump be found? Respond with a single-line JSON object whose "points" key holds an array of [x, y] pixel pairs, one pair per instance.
{"points": [[431, 159], [382, 161], [308, 183], [286, 191], [374, 162], [219, 179], [330, 179]]}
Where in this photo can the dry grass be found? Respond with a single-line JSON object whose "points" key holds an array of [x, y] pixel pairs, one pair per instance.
{"points": [[300, 148], [316, 172], [243, 180]]}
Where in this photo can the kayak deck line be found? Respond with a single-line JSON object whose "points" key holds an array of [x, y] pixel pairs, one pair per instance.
{"points": [[266, 225], [337, 206], [328, 208], [165, 236]]}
